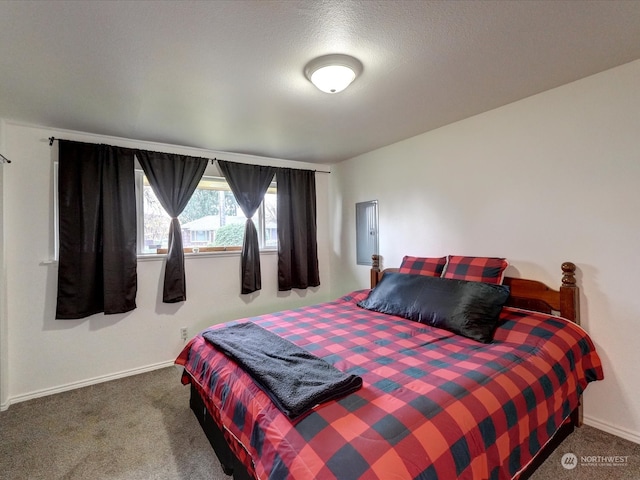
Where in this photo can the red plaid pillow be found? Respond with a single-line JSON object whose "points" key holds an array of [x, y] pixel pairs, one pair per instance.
{"points": [[431, 267], [477, 269]]}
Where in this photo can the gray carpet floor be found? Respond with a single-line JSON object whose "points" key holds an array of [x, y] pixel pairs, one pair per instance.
{"points": [[141, 427]]}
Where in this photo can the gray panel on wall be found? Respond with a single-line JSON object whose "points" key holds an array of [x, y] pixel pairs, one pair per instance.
{"points": [[366, 231]]}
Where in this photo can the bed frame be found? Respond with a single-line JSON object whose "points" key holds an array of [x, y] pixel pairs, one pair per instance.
{"points": [[527, 294]]}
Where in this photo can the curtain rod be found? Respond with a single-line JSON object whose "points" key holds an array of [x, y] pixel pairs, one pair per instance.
{"points": [[292, 168], [213, 160]]}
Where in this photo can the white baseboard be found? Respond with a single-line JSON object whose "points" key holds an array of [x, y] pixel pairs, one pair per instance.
{"points": [[83, 383], [613, 430]]}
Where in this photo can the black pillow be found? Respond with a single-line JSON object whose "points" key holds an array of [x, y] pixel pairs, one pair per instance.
{"points": [[471, 309]]}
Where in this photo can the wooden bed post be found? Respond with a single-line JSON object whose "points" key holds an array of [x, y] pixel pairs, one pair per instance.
{"points": [[375, 269], [570, 309], [569, 295]]}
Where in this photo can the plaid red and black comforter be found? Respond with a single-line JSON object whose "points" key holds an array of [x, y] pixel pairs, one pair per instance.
{"points": [[433, 404]]}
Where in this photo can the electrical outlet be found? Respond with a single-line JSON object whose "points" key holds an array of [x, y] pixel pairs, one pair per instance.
{"points": [[184, 333]]}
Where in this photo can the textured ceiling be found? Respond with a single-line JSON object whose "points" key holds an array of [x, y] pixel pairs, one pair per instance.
{"points": [[228, 75]]}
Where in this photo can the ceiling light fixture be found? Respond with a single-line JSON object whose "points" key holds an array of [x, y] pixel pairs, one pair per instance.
{"points": [[333, 73]]}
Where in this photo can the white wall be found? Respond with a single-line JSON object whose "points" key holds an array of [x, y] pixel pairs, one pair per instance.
{"points": [[46, 355], [4, 341], [553, 177]]}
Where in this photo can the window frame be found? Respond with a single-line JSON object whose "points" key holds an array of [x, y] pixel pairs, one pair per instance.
{"points": [[208, 250]]}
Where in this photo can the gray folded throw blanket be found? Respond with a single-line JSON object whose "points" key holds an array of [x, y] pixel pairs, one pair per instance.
{"points": [[294, 379]]}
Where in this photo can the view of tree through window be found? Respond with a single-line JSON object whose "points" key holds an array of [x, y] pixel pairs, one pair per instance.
{"points": [[212, 218]]}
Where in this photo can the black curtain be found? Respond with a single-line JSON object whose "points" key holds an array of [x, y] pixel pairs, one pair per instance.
{"points": [[248, 183], [173, 178], [297, 230], [97, 230]]}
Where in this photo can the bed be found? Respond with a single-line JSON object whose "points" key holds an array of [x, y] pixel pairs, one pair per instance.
{"points": [[433, 403]]}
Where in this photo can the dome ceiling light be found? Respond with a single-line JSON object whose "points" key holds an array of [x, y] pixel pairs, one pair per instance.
{"points": [[333, 73]]}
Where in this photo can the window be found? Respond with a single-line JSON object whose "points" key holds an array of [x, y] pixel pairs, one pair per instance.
{"points": [[212, 220]]}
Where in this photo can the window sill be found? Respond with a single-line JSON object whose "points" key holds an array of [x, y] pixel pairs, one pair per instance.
{"points": [[150, 257], [197, 250]]}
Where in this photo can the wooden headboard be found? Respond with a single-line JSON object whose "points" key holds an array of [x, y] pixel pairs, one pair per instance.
{"points": [[528, 294]]}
